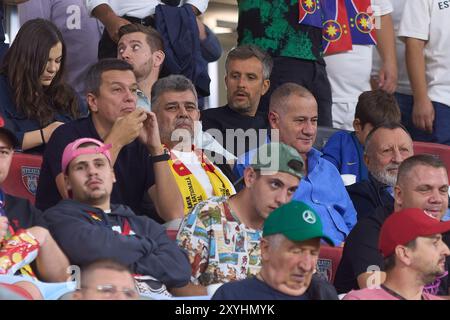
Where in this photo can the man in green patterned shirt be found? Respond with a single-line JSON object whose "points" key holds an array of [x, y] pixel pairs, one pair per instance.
{"points": [[296, 49]]}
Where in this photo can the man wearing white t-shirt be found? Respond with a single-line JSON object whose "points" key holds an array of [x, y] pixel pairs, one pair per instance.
{"points": [[349, 72], [425, 28], [174, 101]]}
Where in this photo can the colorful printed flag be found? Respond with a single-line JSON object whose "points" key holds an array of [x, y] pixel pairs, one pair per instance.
{"points": [[335, 31], [361, 21], [310, 13]]}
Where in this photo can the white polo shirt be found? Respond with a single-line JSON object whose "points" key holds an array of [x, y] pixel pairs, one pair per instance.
{"points": [[429, 20]]}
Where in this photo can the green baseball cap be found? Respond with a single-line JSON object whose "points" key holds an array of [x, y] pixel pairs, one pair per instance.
{"points": [[278, 157], [296, 221]]}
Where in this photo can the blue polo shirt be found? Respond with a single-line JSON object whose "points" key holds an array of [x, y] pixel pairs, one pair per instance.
{"points": [[324, 191], [133, 169]]}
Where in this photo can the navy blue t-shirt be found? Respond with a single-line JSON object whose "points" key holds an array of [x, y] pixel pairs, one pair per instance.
{"points": [[252, 289], [133, 169]]}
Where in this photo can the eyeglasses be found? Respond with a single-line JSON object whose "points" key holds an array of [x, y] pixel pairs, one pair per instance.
{"points": [[110, 290]]}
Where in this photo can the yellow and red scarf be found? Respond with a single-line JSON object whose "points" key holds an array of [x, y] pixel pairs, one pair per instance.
{"points": [[191, 189]]}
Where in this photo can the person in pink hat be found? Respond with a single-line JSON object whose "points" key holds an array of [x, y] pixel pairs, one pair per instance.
{"points": [[411, 244], [88, 227]]}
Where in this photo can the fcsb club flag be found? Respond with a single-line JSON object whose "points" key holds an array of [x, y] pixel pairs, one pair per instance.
{"points": [[310, 13], [335, 30], [343, 22], [360, 14]]}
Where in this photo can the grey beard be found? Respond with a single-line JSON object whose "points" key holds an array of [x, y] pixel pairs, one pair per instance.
{"points": [[385, 178]]}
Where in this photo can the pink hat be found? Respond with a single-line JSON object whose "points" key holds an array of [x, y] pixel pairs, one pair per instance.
{"points": [[71, 151]]}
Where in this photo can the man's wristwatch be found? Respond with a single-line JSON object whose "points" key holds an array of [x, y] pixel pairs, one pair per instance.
{"points": [[162, 157]]}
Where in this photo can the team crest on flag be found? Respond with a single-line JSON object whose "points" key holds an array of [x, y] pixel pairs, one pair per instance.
{"points": [[30, 178], [309, 6], [310, 13], [364, 22], [332, 30]]}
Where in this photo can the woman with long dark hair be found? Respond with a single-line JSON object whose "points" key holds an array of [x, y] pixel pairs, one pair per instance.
{"points": [[34, 99]]}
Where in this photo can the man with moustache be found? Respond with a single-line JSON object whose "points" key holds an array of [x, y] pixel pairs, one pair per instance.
{"points": [[422, 182], [174, 101], [387, 145], [248, 71], [111, 94]]}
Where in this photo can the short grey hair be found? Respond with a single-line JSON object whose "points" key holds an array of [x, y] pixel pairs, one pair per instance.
{"points": [[175, 82], [245, 52]]}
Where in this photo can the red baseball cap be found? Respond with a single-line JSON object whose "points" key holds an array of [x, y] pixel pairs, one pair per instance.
{"points": [[406, 225], [72, 151]]}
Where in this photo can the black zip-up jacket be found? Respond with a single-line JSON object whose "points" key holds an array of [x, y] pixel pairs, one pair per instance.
{"points": [[86, 234]]}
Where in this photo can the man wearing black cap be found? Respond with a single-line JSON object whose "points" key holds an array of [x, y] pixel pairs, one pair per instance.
{"points": [[22, 231], [289, 251], [414, 256]]}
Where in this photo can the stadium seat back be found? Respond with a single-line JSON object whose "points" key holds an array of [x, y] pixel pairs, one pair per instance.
{"points": [[23, 176], [329, 259], [441, 150]]}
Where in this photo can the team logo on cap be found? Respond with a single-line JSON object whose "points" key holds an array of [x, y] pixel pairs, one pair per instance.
{"points": [[309, 217], [30, 177]]}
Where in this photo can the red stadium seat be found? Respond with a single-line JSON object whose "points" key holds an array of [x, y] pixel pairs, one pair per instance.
{"points": [[441, 150], [23, 176], [329, 259]]}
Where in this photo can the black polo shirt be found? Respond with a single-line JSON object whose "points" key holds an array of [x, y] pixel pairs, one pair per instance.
{"points": [[133, 169]]}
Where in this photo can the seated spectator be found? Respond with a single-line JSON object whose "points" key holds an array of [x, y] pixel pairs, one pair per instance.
{"points": [[238, 220], [111, 87], [345, 149], [110, 231], [293, 118], [106, 280], [387, 145], [414, 256], [80, 32], [422, 183], [289, 252], [174, 101], [247, 80], [28, 253], [142, 47], [34, 100]]}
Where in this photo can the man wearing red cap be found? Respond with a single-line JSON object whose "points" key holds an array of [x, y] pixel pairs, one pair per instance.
{"points": [[414, 253]]}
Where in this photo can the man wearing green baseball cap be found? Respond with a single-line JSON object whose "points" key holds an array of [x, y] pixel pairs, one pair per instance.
{"points": [[222, 235], [289, 250]]}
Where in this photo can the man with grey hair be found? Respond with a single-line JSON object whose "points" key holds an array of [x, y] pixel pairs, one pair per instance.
{"points": [[174, 101], [387, 145], [248, 70]]}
